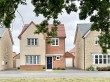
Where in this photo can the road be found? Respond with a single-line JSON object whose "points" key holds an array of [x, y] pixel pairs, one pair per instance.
{"points": [[53, 74]]}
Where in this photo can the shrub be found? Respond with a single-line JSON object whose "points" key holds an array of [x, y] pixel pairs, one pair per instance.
{"points": [[108, 68], [91, 68], [103, 68], [43, 67], [18, 67], [58, 68]]}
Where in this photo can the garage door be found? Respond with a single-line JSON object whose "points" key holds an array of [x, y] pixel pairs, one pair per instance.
{"points": [[69, 62], [17, 63]]}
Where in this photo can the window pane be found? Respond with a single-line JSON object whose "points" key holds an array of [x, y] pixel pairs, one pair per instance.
{"points": [[108, 61], [38, 59], [96, 61], [28, 41], [30, 59], [27, 60], [34, 59], [36, 41], [104, 60], [108, 56], [100, 56], [104, 56], [56, 41], [32, 41], [53, 41], [96, 56], [100, 61]]}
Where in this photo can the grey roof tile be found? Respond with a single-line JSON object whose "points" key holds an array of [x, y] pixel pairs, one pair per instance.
{"points": [[84, 28]]}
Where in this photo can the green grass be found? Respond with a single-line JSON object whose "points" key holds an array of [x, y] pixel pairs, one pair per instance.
{"points": [[56, 80]]}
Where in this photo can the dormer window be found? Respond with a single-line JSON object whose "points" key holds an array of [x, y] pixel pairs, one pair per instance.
{"points": [[96, 40], [55, 41]]}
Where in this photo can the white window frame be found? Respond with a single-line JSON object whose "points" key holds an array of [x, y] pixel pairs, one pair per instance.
{"points": [[32, 43], [29, 59], [55, 41], [57, 57], [96, 41], [101, 58]]}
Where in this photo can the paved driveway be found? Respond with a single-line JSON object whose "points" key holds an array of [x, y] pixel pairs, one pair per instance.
{"points": [[53, 74]]}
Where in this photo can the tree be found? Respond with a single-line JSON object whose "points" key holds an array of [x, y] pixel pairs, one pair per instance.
{"points": [[98, 11]]}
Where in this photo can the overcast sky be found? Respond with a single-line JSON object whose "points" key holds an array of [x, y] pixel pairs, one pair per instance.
{"points": [[70, 22]]}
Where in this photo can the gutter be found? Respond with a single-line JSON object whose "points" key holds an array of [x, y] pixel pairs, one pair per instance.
{"points": [[84, 53]]}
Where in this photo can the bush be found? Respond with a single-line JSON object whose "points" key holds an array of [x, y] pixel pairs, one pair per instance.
{"points": [[91, 68], [103, 68], [18, 67], [108, 68], [58, 68]]}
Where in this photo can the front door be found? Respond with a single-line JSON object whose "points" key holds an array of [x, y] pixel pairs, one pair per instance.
{"points": [[49, 62]]}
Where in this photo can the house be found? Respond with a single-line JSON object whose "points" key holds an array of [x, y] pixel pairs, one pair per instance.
{"points": [[16, 61], [6, 43], [88, 51], [36, 53]]}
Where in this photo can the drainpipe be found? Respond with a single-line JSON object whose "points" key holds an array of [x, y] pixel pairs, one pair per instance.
{"points": [[84, 53]]}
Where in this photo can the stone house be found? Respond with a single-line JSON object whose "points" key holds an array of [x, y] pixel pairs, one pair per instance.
{"points": [[88, 51], [6, 43], [36, 54]]}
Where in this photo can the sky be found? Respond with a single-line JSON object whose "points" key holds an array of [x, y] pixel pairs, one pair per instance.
{"points": [[26, 11]]}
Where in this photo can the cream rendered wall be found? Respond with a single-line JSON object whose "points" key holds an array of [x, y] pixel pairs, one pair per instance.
{"points": [[79, 57], [32, 50], [6, 51], [91, 47]]}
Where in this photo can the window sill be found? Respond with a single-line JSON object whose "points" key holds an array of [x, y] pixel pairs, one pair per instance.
{"points": [[33, 64], [54, 45], [57, 59], [32, 45]]}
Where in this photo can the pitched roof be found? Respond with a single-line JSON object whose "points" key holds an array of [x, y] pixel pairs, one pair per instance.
{"points": [[60, 30], [84, 28], [72, 50], [2, 30]]}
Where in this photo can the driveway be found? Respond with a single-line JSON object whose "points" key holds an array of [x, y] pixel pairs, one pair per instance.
{"points": [[53, 74]]}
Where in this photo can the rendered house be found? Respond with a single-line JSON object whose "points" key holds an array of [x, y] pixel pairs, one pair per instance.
{"points": [[88, 51], [6, 43], [36, 54]]}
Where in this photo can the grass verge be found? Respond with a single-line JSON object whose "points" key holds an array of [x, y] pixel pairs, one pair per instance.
{"points": [[56, 80]]}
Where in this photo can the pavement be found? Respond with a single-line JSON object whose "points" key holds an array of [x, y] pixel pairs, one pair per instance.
{"points": [[54, 74]]}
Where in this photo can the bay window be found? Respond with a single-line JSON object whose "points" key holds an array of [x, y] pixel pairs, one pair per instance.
{"points": [[101, 59], [30, 59]]}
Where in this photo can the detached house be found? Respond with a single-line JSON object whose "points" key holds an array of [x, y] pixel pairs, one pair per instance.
{"points": [[6, 43], [88, 51], [36, 54]]}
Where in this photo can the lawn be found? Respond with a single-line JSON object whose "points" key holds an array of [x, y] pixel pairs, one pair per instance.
{"points": [[56, 80]]}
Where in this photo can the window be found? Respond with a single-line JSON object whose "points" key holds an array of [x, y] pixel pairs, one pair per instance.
{"points": [[32, 41], [96, 59], [3, 63], [96, 40], [55, 41], [102, 59], [57, 57], [32, 59]]}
